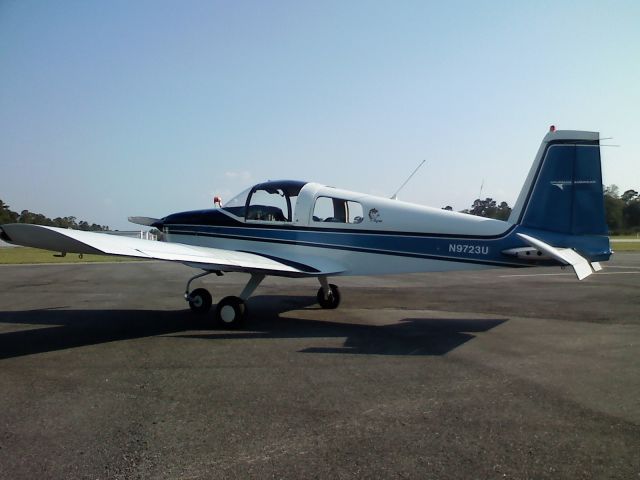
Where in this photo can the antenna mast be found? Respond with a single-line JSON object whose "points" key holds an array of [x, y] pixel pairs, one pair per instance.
{"points": [[395, 195]]}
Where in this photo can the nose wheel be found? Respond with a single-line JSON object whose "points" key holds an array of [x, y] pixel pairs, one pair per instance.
{"points": [[200, 301], [328, 295]]}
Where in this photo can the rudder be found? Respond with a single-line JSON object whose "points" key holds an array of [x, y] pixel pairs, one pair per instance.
{"points": [[563, 192]]}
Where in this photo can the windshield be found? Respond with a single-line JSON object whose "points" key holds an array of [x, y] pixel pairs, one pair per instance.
{"points": [[236, 206], [272, 201]]}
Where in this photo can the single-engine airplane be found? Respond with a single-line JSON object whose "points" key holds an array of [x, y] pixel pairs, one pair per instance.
{"points": [[303, 229]]}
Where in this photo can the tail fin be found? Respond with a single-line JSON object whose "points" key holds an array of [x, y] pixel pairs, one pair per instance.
{"points": [[563, 191]]}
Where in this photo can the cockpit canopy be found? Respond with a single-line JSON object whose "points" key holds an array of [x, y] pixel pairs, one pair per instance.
{"points": [[269, 201]]}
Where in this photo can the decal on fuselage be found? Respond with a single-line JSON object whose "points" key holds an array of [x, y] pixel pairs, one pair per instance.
{"points": [[466, 248], [374, 215]]}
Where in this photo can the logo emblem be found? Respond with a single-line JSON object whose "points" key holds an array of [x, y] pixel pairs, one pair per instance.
{"points": [[374, 215], [568, 183]]}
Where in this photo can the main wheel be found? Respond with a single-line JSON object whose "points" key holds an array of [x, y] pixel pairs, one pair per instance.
{"points": [[200, 300], [332, 300], [231, 312]]}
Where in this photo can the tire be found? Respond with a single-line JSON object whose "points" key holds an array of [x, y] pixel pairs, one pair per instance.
{"points": [[200, 301], [333, 300], [231, 312]]}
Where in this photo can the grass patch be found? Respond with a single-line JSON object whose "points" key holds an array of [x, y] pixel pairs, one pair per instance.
{"points": [[629, 243], [625, 247], [625, 237], [21, 255]]}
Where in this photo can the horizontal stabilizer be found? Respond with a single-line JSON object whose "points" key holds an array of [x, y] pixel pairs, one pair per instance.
{"points": [[146, 221], [565, 256]]}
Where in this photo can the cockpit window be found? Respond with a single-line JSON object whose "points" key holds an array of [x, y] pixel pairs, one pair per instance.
{"points": [[336, 210], [269, 205], [267, 202]]}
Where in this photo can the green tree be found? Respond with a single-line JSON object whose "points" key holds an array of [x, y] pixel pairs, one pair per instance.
{"points": [[631, 216], [503, 211], [483, 208], [6, 215], [490, 209], [613, 207], [629, 196], [612, 191], [631, 210], [25, 217]]}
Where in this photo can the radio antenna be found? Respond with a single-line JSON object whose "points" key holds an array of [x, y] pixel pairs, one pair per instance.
{"points": [[395, 195]]}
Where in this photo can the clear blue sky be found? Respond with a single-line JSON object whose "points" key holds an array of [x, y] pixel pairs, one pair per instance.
{"points": [[117, 108]]}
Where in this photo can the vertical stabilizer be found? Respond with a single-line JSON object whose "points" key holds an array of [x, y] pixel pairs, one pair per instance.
{"points": [[563, 191]]}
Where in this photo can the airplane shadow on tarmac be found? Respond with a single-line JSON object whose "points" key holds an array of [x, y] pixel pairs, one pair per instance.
{"points": [[59, 329]]}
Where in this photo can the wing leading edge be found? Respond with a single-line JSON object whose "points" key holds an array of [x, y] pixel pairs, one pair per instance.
{"points": [[75, 241]]}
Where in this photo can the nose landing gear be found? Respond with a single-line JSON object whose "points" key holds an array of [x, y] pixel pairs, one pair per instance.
{"points": [[328, 295], [199, 300]]}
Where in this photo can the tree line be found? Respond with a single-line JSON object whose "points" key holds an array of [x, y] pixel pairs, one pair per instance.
{"points": [[9, 216], [622, 213], [622, 210], [488, 207]]}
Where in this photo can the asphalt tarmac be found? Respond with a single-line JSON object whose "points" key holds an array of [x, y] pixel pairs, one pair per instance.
{"points": [[105, 374]]}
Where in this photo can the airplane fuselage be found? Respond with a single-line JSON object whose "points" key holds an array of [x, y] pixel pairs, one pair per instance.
{"points": [[382, 236]]}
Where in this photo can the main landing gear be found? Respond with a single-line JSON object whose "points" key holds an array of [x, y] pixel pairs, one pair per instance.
{"points": [[231, 311], [328, 295]]}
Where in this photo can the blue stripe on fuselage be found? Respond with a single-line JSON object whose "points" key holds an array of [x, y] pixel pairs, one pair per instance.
{"points": [[453, 248]]}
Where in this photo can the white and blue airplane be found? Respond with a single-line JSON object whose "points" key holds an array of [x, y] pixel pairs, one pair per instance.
{"points": [[304, 229]]}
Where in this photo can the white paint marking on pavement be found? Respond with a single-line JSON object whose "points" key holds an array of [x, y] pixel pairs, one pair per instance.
{"points": [[557, 274]]}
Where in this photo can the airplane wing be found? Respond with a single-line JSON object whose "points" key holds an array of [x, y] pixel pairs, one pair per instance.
{"points": [[76, 241]]}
